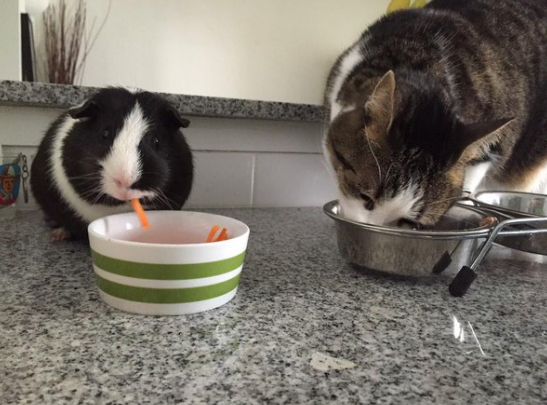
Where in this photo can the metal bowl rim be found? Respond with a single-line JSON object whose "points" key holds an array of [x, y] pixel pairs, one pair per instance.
{"points": [[474, 233]]}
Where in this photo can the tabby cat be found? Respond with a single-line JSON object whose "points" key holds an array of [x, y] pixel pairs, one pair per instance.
{"points": [[433, 102]]}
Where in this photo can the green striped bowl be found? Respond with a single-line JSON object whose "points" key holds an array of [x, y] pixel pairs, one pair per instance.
{"points": [[168, 269]]}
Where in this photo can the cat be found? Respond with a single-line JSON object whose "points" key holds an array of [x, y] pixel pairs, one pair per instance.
{"points": [[435, 102]]}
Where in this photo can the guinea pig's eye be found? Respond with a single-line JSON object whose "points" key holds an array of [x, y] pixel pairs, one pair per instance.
{"points": [[156, 142], [106, 134]]}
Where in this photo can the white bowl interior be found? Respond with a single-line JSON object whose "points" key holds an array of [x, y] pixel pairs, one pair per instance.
{"points": [[166, 227]]}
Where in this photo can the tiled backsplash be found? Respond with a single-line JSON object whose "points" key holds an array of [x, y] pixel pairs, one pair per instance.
{"points": [[291, 179], [239, 162], [223, 179]]}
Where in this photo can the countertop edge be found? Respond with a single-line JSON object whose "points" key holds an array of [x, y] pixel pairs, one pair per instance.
{"points": [[48, 95]]}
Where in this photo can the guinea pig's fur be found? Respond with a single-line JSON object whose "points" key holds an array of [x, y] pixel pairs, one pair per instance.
{"points": [[116, 146]]}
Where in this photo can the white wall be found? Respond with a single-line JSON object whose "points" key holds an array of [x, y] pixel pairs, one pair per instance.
{"points": [[239, 163], [274, 50], [10, 40]]}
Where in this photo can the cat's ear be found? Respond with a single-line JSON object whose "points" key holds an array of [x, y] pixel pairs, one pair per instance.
{"points": [[472, 133], [379, 108]]}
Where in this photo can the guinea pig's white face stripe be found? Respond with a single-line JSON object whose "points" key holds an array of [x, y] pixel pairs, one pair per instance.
{"points": [[122, 166], [88, 212], [123, 161]]}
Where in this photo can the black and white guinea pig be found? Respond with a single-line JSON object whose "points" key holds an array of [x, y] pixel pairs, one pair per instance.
{"points": [[116, 146]]}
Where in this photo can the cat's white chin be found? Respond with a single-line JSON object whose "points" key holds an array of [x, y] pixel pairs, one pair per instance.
{"points": [[386, 213], [354, 210]]}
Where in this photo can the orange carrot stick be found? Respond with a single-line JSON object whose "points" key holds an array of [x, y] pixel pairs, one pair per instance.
{"points": [[223, 235], [140, 213], [212, 232]]}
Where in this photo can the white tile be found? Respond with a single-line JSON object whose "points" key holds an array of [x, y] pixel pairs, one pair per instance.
{"points": [[248, 135], [25, 125], [222, 180], [292, 180]]}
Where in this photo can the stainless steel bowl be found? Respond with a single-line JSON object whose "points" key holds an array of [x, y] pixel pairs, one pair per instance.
{"points": [[450, 245], [515, 204], [506, 205]]}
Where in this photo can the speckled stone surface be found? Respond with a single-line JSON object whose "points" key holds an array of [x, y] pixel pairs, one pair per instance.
{"points": [[304, 328], [35, 94]]}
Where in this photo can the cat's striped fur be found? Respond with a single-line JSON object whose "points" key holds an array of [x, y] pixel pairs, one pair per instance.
{"points": [[429, 101]]}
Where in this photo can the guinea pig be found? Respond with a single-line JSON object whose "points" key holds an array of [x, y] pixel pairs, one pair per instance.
{"points": [[117, 146]]}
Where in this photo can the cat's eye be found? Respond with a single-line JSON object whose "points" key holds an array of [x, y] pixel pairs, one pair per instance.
{"points": [[368, 202], [345, 164]]}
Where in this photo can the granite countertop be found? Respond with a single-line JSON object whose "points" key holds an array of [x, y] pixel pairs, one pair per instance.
{"points": [[35, 94], [304, 327]]}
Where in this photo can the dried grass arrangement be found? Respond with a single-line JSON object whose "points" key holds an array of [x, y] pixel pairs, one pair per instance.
{"points": [[67, 41]]}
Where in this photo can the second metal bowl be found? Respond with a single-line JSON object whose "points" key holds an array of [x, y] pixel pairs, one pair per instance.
{"points": [[506, 205]]}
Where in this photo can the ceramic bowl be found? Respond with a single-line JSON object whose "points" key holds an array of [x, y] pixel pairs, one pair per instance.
{"points": [[167, 269]]}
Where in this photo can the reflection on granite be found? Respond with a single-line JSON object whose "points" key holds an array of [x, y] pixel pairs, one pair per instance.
{"points": [[304, 327], [34, 94]]}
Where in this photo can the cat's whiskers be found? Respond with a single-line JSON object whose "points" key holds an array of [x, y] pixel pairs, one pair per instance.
{"points": [[388, 170], [445, 200], [375, 158]]}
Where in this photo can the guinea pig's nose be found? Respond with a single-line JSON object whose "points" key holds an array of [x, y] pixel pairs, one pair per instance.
{"points": [[121, 183]]}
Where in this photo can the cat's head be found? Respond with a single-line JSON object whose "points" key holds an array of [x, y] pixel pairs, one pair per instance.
{"points": [[402, 155]]}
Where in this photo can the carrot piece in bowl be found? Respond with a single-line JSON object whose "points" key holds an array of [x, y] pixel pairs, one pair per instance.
{"points": [[223, 235], [212, 233]]}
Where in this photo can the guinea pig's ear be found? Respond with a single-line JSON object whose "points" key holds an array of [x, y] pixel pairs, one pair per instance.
{"points": [[174, 118], [88, 109]]}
